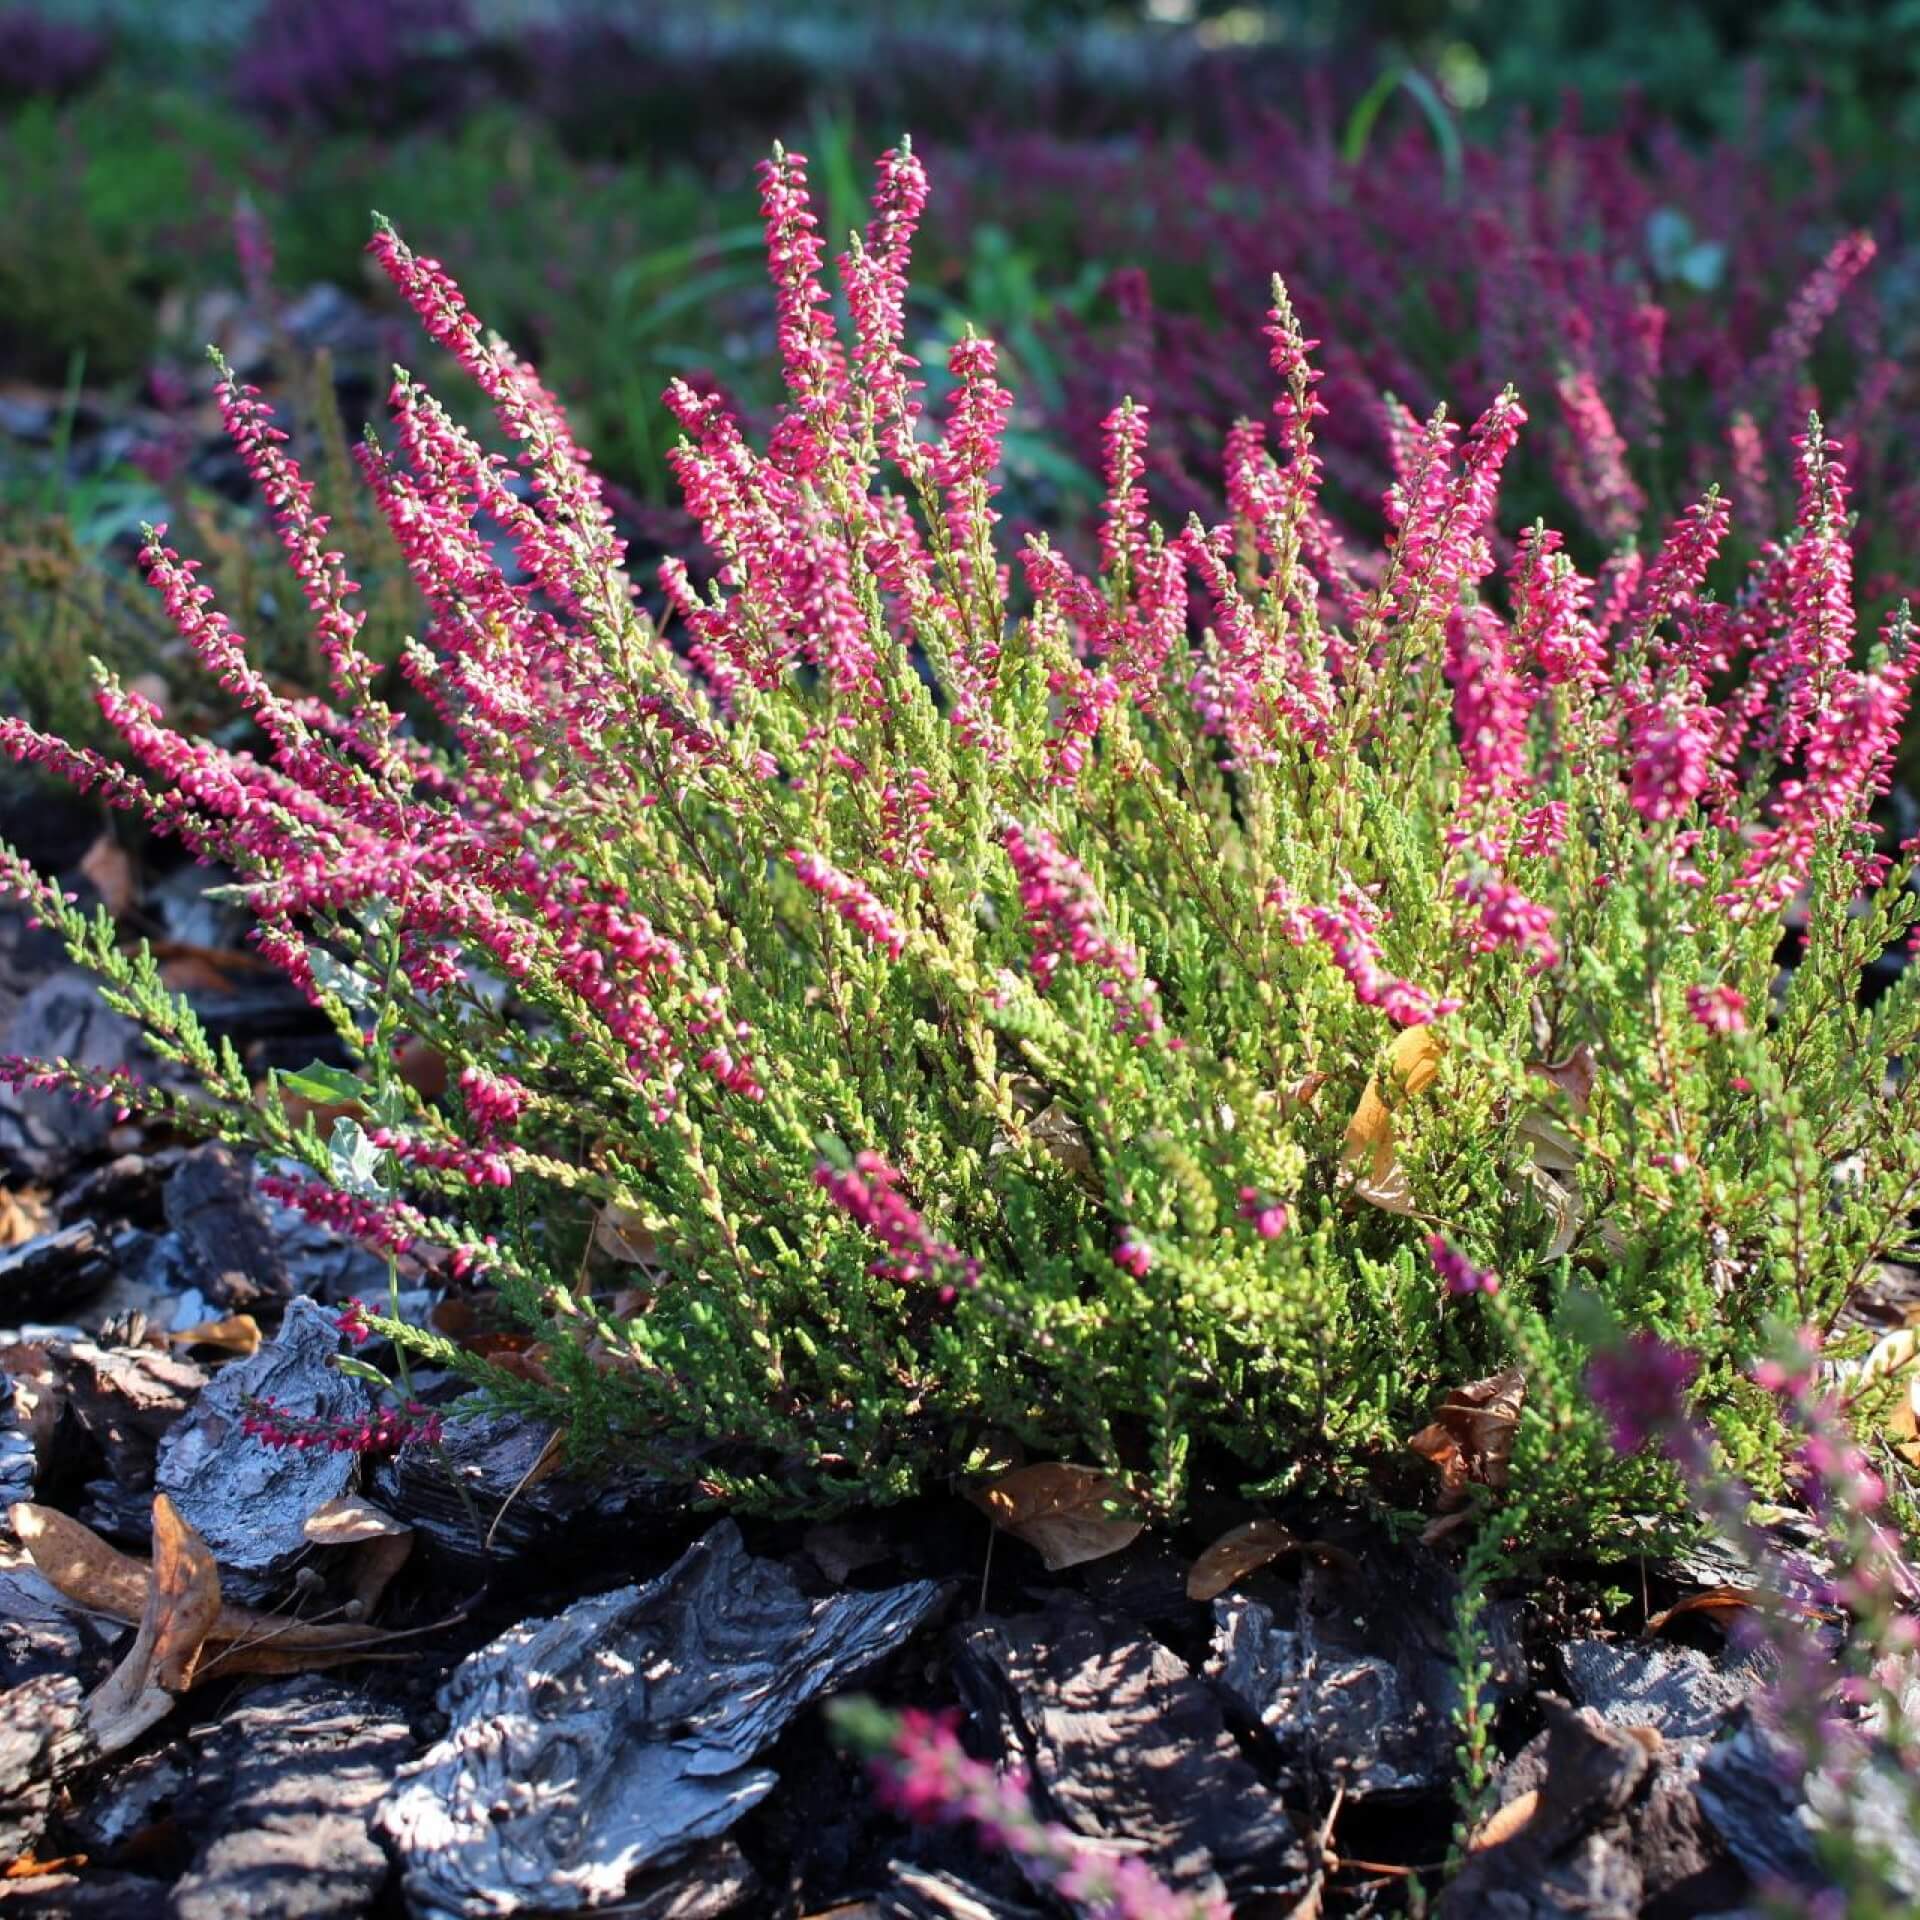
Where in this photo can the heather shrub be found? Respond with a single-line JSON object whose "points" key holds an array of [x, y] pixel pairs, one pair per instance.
{"points": [[1671, 311], [1231, 1012]]}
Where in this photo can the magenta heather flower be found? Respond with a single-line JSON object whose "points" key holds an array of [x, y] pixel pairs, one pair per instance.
{"points": [[1270, 1218], [1347, 932], [1460, 1274], [1641, 1386], [854, 902], [1505, 917], [1672, 758], [1123, 527], [495, 1101], [386, 1430], [1490, 707], [1133, 1256], [868, 1193], [1063, 912], [875, 276], [1720, 1009], [352, 1321]]}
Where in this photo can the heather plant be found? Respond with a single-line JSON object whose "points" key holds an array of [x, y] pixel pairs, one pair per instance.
{"points": [[1672, 311], [1203, 1015]]}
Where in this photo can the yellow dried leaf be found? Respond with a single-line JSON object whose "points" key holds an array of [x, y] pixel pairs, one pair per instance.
{"points": [[237, 1334], [1413, 1061], [1897, 1358]]}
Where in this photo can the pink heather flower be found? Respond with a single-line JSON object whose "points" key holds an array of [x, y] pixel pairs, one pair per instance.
{"points": [[809, 351], [1453, 1266], [1063, 913], [1673, 580], [1542, 832], [1810, 309], [1551, 627], [1672, 758], [1442, 523], [1251, 684], [1123, 535], [1133, 1256], [1507, 918], [854, 902], [967, 455], [352, 1321], [386, 1430], [495, 1101], [320, 571], [1720, 1009], [1269, 1218], [875, 277], [1347, 933], [1489, 707], [1640, 1385], [868, 1194], [1595, 469]]}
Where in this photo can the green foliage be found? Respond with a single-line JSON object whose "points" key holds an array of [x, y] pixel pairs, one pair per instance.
{"points": [[861, 1059]]}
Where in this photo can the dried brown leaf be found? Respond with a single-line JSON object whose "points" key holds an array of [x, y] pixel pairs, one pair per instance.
{"points": [[1064, 1512], [107, 864], [1504, 1822], [348, 1521], [1470, 1439], [182, 1603], [24, 1216], [75, 1561], [1575, 1076], [1237, 1552]]}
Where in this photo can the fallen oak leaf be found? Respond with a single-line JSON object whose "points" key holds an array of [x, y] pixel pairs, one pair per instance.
{"points": [[1238, 1552], [1895, 1361], [1064, 1512], [109, 867], [24, 1216]]}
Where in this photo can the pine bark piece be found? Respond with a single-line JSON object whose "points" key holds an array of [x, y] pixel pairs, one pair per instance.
{"points": [[522, 1512], [1336, 1716], [249, 1501], [1123, 1744], [620, 1734], [42, 1135], [1679, 1691], [232, 1251], [1357, 1684], [43, 1278], [43, 1738], [127, 1399], [308, 1762], [1614, 1828], [43, 1632]]}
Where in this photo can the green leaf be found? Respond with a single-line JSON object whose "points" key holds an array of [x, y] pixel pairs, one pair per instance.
{"points": [[325, 1086]]}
